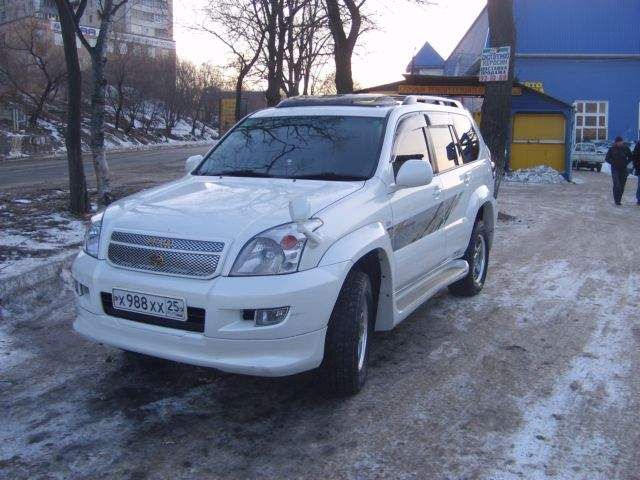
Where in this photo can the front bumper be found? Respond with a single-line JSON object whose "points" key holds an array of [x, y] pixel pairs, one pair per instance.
{"points": [[267, 358], [228, 342]]}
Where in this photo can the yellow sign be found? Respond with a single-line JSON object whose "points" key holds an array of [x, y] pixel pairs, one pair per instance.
{"points": [[227, 113], [538, 86], [449, 90]]}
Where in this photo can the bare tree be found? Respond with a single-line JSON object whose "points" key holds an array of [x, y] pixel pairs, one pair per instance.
{"points": [[236, 24], [307, 48], [118, 72], [33, 67], [341, 13], [496, 109], [78, 198], [107, 10]]}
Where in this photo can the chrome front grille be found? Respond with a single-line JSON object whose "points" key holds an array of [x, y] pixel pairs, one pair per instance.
{"points": [[167, 242], [171, 256]]}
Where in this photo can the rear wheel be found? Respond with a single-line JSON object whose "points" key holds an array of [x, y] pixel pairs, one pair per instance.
{"points": [[599, 168], [477, 256], [346, 350]]}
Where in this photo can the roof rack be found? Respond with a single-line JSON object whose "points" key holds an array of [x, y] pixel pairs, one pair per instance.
{"points": [[346, 100], [413, 99]]}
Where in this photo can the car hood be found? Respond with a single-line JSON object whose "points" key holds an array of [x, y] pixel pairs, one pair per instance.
{"points": [[220, 209]]}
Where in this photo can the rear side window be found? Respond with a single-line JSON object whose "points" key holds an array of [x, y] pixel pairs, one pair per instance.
{"points": [[444, 148], [467, 137]]}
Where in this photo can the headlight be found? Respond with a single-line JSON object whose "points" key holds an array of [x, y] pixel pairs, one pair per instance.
{"points": [[92, 237], [274, 252]]}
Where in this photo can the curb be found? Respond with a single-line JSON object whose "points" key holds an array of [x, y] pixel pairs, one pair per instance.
{"points": [[36, 278]]}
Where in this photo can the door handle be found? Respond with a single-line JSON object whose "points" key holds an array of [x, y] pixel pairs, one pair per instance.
{"points": [[436, 192], [466, 178]]}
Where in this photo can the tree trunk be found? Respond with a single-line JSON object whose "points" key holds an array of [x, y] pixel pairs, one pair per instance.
{"points": [[496, 108], [98, 153], [78, 198], [344, 76], [239, 82]]}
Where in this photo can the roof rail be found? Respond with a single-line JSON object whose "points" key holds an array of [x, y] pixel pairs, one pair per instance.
{"points": [[347, 100], [448, 102]]}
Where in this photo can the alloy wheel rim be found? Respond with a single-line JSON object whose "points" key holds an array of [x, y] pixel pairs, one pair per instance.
{"points": [[479, 258], [363, 332]]}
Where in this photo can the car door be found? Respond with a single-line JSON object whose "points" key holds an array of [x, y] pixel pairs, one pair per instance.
{"points": [[453, 181], [470, 176], [417, 237]]}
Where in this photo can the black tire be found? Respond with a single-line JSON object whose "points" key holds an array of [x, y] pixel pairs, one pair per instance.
{"points": [[344, 368], [599, 168], [473, 282]]}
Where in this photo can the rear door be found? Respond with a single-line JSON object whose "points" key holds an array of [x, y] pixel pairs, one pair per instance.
{"points": [[417, 235], [444, 149], [471, 173]]}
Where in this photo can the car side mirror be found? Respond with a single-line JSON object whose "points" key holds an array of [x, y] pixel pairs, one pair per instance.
{"points": [[414, 173], [192, 163]]}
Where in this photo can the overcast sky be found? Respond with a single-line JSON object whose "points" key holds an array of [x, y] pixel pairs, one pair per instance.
{"points": [[383, 55]]}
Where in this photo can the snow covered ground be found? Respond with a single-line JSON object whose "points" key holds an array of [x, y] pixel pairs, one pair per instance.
{"points": [[115, 140], [36, 230], [535, 378]]}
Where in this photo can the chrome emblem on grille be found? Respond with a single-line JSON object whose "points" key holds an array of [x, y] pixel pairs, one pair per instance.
{"points": [[157, 260], [160, 242]]}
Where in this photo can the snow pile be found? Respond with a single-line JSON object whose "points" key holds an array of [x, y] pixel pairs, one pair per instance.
{"points": [[542, 174]]}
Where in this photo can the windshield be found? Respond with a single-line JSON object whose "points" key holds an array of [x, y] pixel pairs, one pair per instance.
{"points": [[312, 147]]}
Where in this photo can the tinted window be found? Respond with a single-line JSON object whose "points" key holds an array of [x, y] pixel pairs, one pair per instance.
{"points": [[410, 140], [322, 147], [468, 138], [444, 148]]}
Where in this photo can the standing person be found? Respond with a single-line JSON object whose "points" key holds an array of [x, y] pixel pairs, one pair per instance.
{"points": [[636, 166], [618, 157]]}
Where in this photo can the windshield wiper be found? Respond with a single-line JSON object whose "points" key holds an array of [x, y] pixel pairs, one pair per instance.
{"points": [[238, 173], [329, 176]]}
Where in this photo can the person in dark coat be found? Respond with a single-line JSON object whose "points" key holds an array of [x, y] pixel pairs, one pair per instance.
{"points": [[636, 166], [619, 157]]}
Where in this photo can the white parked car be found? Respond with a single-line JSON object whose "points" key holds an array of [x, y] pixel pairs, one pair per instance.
{"points": [[307, 227], [587, 155]]}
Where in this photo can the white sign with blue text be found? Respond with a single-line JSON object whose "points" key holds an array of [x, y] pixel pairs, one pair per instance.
{"points": [[494, 65]]}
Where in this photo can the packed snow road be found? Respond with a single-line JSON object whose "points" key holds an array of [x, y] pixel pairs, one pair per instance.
{"points": [[535, 378]]}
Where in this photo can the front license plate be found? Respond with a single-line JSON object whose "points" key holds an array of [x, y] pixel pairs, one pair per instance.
{"points": [[155, 305]]}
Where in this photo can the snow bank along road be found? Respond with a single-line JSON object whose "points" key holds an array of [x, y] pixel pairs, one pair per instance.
{"points": [[536, 378], [49, 171]]}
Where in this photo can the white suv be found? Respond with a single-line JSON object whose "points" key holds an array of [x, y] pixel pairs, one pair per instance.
{"points": [[307, 227]]}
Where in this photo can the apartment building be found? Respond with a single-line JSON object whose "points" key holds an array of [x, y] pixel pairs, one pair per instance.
{"points": [[146, 25]]}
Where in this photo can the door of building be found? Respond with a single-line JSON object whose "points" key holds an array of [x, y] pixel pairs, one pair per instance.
{"points": [[538, 139]]}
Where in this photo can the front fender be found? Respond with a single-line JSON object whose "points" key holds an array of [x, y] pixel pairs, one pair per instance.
{"points": [[357, 244]]}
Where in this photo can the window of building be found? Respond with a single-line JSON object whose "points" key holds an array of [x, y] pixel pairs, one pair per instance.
{"points": [[591, 120], [444, 147]]}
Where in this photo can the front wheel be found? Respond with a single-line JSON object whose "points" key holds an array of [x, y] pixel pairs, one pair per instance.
{"points": [[477, 256], [346, 350], [599, 168]]}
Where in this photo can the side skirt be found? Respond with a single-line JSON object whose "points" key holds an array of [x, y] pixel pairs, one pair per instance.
{"points": [[414, 295]]}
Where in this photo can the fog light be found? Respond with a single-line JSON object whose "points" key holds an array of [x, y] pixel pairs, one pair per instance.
{"points": [[270, 316], [80, 288]]}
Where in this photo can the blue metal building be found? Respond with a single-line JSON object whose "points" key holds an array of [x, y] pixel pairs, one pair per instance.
{"points": [[585, 53]]}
